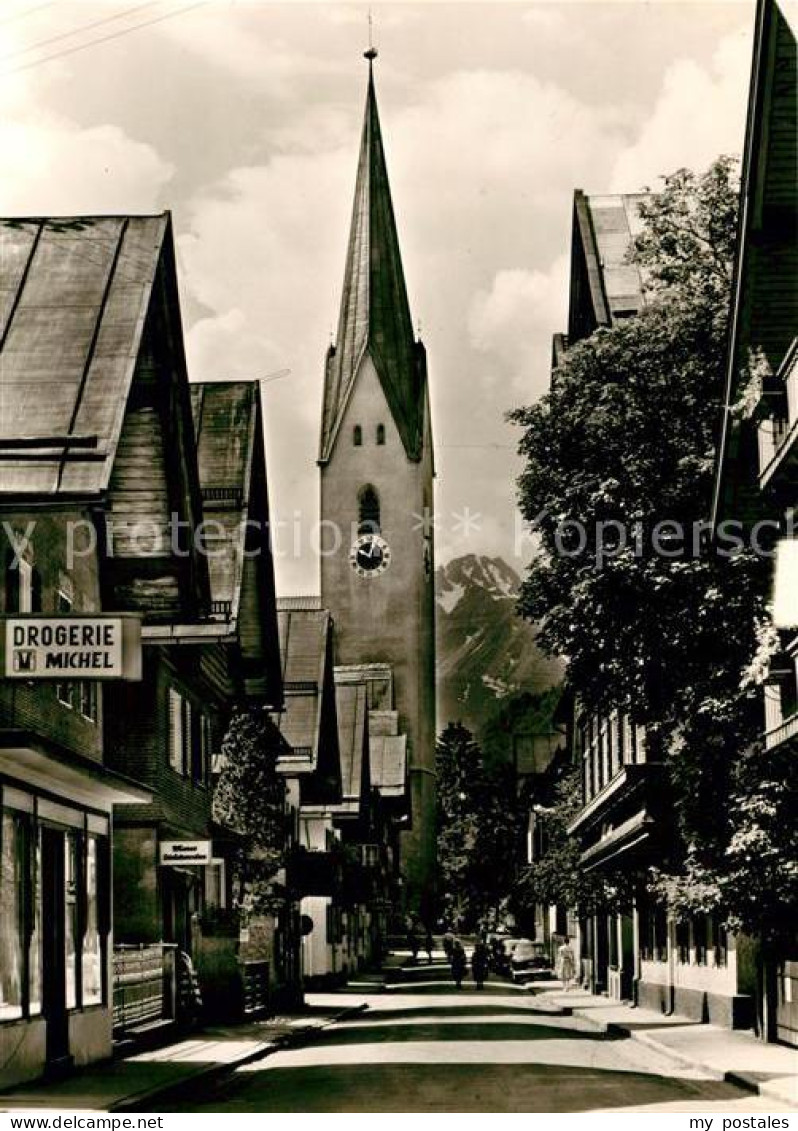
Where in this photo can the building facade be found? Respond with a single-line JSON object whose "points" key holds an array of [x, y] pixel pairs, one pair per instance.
{"points": [[755, 480], [102, 501]]}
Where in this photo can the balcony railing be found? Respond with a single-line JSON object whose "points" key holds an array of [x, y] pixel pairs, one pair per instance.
{"points": [[255, 978], [144, 985], [778, 431], [784, 731]]}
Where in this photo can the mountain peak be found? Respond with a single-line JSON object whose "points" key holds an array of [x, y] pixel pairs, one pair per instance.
{"points": [[452, 580], [486, 652]]}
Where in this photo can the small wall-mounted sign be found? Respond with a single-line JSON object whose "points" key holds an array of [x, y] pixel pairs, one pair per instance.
{"points": [[92, 647], [174, 852]]}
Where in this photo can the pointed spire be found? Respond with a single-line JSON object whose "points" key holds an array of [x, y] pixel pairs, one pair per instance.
{"points": [[375, 313]]}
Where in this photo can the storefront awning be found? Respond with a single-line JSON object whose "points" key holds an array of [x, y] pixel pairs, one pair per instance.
{"points": [[38, 762]]}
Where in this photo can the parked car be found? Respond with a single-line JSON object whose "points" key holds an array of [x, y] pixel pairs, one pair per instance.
{"points": [[530, 960], [502, 947]]}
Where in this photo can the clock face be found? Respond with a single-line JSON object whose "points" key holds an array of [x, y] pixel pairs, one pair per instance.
{"points": [[370, 555]]}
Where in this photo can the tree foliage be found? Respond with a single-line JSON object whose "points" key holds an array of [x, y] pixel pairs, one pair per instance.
{"points": [[477, 831], [617, 480], [557, 878], [250, 799]]}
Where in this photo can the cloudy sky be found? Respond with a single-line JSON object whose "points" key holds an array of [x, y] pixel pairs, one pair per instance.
{"points": [[243, 118]]}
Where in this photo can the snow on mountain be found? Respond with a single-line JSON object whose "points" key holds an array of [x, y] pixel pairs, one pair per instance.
{"points": [[485, 651]]}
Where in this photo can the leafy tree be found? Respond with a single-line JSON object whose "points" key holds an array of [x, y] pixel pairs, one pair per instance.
{"points": [[617, 481], [250, 799], [477, 830], [557, 878]]}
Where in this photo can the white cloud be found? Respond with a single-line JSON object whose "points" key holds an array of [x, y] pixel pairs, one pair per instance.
{"points": [[515, 319], [59, 167], [699, 114]]}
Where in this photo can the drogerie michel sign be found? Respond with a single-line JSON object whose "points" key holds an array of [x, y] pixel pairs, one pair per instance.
{"points": [[79, 647]]}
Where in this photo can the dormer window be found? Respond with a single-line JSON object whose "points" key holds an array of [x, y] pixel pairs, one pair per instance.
{"points": [[357, 436], [380, 434]]}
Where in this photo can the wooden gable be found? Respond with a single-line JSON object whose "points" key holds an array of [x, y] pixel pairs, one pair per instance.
{"points": [[154, 560]]}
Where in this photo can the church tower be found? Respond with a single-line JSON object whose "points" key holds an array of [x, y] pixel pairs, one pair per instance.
{"points": [[376, 461]]}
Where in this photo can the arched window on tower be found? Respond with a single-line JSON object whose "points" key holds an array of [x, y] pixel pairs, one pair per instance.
{"points": [[380, 433], [357, 436], [368, 511]]}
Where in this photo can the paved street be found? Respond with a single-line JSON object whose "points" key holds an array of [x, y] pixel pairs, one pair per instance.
{"points": [[423, 1046]]}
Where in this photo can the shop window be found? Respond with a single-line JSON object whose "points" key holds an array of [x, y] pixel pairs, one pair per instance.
{"points": [[71, 917], [13, 864], [92, 948], [35, 945]]}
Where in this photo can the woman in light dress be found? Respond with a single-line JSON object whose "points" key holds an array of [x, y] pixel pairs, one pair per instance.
{"points": [[566, 964]]}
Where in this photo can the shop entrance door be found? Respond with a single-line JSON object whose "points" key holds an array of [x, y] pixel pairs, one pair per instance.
{"points": [[54, 947]]}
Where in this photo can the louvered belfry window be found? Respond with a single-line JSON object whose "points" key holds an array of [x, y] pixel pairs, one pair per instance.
{"points": [[369, 511]]}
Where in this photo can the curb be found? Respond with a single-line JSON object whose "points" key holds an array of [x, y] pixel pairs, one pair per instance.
{"points": [[615, 1031], [215, 1072]]}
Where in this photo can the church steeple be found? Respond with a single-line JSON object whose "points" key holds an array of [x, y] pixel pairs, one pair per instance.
{"points": [[375, 313]]}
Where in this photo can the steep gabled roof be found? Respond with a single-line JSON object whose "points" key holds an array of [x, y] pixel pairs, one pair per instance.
{"points": [[604, 285], [352, 710], [225, 423], [375, 313], [228, 424], [308, 721], [74, 295]]}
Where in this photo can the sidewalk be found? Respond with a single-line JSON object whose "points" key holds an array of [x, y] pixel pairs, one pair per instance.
{"points": [[728, 1054], [135, 1082]]}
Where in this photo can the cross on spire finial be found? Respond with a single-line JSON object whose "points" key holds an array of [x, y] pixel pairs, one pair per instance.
{"points": [[371, 54]]}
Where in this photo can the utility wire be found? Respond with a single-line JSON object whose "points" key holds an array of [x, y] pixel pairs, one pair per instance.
{"points": [[78, 30], [104, 38]]}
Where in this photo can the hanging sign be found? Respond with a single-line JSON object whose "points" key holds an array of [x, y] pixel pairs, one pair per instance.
{"points": [[91, 647], [176, 852]]}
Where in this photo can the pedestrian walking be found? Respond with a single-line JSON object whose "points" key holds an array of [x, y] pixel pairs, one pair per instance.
{"points": [[459, 963], [429, 944], [413, 942], [448, 945], [479, 962], [566, 963]]}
